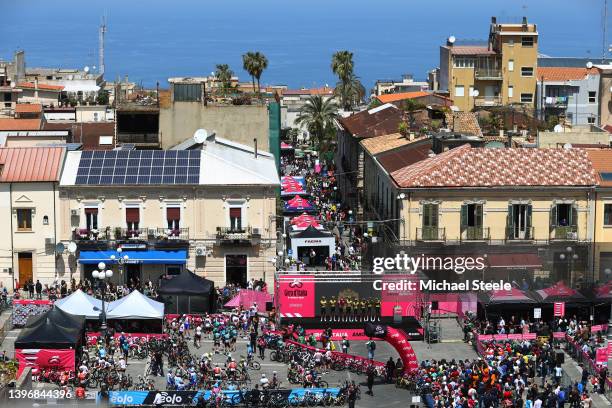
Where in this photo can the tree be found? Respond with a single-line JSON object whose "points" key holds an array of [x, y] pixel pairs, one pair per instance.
{"points": [[255, 64], [103, 97], [374, 103], [224, 76], [318, 115], [410, 106], [349, 89]]}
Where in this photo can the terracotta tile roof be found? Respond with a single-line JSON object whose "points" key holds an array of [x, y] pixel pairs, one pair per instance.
{"points": [[28, 108], [471, 50], [384, 143], [602, 163], [393, 97], [326, 90], [20, 124], [28, 164], [465, 166], [374, 122], [404, 156], [564, 73], [463, 122], [46, 87]]}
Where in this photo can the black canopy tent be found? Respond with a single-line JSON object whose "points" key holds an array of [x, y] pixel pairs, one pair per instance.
{"points": [[187, 293], [49, 331]]}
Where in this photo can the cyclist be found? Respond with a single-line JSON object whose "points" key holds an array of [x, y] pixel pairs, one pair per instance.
{"points": [[274, 382], [264, 382]]}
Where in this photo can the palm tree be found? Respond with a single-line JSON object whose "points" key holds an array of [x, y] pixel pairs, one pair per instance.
{"points": [[342, 64], [255, 64], [350, 91], [318, 115], [224, 76]]}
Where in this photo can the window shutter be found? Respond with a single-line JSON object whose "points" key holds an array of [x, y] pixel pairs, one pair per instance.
{"points": [[173, 213], [464, 216], [529, 211], [574, 216], [510, 219], [132, 214], [434, 215], [235, 212], [478, 220], [91, 211], [553, 216]]}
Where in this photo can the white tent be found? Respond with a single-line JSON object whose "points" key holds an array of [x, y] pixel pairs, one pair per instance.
{"points": [[135, 306], [81, 304]]}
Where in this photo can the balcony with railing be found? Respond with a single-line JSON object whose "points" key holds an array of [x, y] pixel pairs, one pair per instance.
{"points": [[431, 234], [238, 236], [475, 234], [170, 237], [555, 101], [487, 101], [488, 73], [131, 235], [513, 234], [91, 238], [564, 233]]}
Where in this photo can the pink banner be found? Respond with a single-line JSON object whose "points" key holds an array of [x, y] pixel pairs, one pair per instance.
{"points": [[529, 336], [559, 309], [63, 359], [559, 335], [248, 297], [500, 337], [515, 336], [485, 337], [351, 334], [398, 340], [31, 302], [296, 296], [597, 328], [92, 337], [601, 356]]}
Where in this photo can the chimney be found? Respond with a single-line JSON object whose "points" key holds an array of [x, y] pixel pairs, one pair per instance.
{"points": [[255, 143], [509, 139], [524, 21], [36, 87], [493, 20]]}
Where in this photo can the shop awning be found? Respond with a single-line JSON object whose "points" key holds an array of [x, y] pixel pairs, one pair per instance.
{"points": [[177, 257], [514, 261]]}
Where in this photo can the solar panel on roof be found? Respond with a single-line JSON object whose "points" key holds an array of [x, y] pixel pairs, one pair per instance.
{"points": [[605, 176]]}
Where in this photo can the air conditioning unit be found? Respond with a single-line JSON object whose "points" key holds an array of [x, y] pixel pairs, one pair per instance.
{"points": [[256, 231], [74, 212], [201, 251]]}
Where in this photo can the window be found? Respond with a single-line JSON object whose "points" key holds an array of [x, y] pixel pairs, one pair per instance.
{"points": [[607, 216], [187, 92], [91, 218], [430, 222], [510, 91], [471, 221], [591, 120], [173, 216], [511, 42], [563, 215], [132, 218], [105, 140], [510, 65], [527, 41], [527, 71], [235, 214], [464, 62], [526, 98], [592, 97], [24, 219], [459, 90]]}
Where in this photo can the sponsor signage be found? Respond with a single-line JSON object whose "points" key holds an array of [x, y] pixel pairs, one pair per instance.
{"points": [[537, 313], [297, 296], [559, 309]]}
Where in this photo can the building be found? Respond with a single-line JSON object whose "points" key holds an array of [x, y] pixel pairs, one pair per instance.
{"points": [[382, 120], [520, 208], [292, 101], [79, 85], [577, 136], [20, 124], [419, 97], [89, 135], [602, 214], [406, 84], [569, 94], [29, 213], [500, 71], [34, 138], [605, 94], [39, 93], [211, 211]]}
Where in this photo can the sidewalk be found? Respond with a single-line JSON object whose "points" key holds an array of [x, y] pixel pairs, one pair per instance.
{"points": [[573, 370]]}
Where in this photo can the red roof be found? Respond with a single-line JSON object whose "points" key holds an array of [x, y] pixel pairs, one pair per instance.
{"points": [[386, 98], [27, 164], [465, 166], [28, 108], [383, 120], [564, 73], [19, 124], [46, 87], [471, 50]]}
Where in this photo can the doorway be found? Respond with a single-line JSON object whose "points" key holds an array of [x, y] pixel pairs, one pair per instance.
{"points": [[521, 221], [26, 271], [236, 270], [133, 273]]}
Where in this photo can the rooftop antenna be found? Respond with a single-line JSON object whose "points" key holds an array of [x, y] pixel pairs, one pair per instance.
{"points": [[102, 32], [605, 29]]}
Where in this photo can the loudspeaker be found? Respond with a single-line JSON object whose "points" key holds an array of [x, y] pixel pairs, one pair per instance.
{"points": [[559, 357], [269, 306], [434, 305]]}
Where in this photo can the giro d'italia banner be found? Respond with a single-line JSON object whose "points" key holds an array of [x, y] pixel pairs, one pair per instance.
{"points": [[181, 398]]}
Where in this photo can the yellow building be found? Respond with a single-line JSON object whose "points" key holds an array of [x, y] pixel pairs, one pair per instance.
{"points": [[602, 214], [500, 71], [210, 210], [526, 210]]}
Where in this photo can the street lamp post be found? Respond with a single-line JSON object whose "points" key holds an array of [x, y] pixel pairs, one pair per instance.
{"points": [[121, 260], [608, 272], [102, 275], [571, 256]]}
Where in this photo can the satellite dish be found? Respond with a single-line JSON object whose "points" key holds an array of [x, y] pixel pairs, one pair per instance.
{"points": [[72, 247], [60, 248], [567, 146], [589, 65], [200, 136], [451, 39], [86, 69], [558, 129]]}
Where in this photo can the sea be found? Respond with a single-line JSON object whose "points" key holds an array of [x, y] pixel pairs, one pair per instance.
{"points": [[152, 40]]}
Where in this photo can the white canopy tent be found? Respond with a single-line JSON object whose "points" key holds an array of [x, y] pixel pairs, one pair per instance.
{"points": [[81, 304], [135, 306]]}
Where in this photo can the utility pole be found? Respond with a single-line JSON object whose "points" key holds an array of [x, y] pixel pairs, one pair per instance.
{"points": [[605, 29], [101, 34]]}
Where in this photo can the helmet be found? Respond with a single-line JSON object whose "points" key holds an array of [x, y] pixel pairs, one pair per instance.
{"points": [[263, 376]]}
